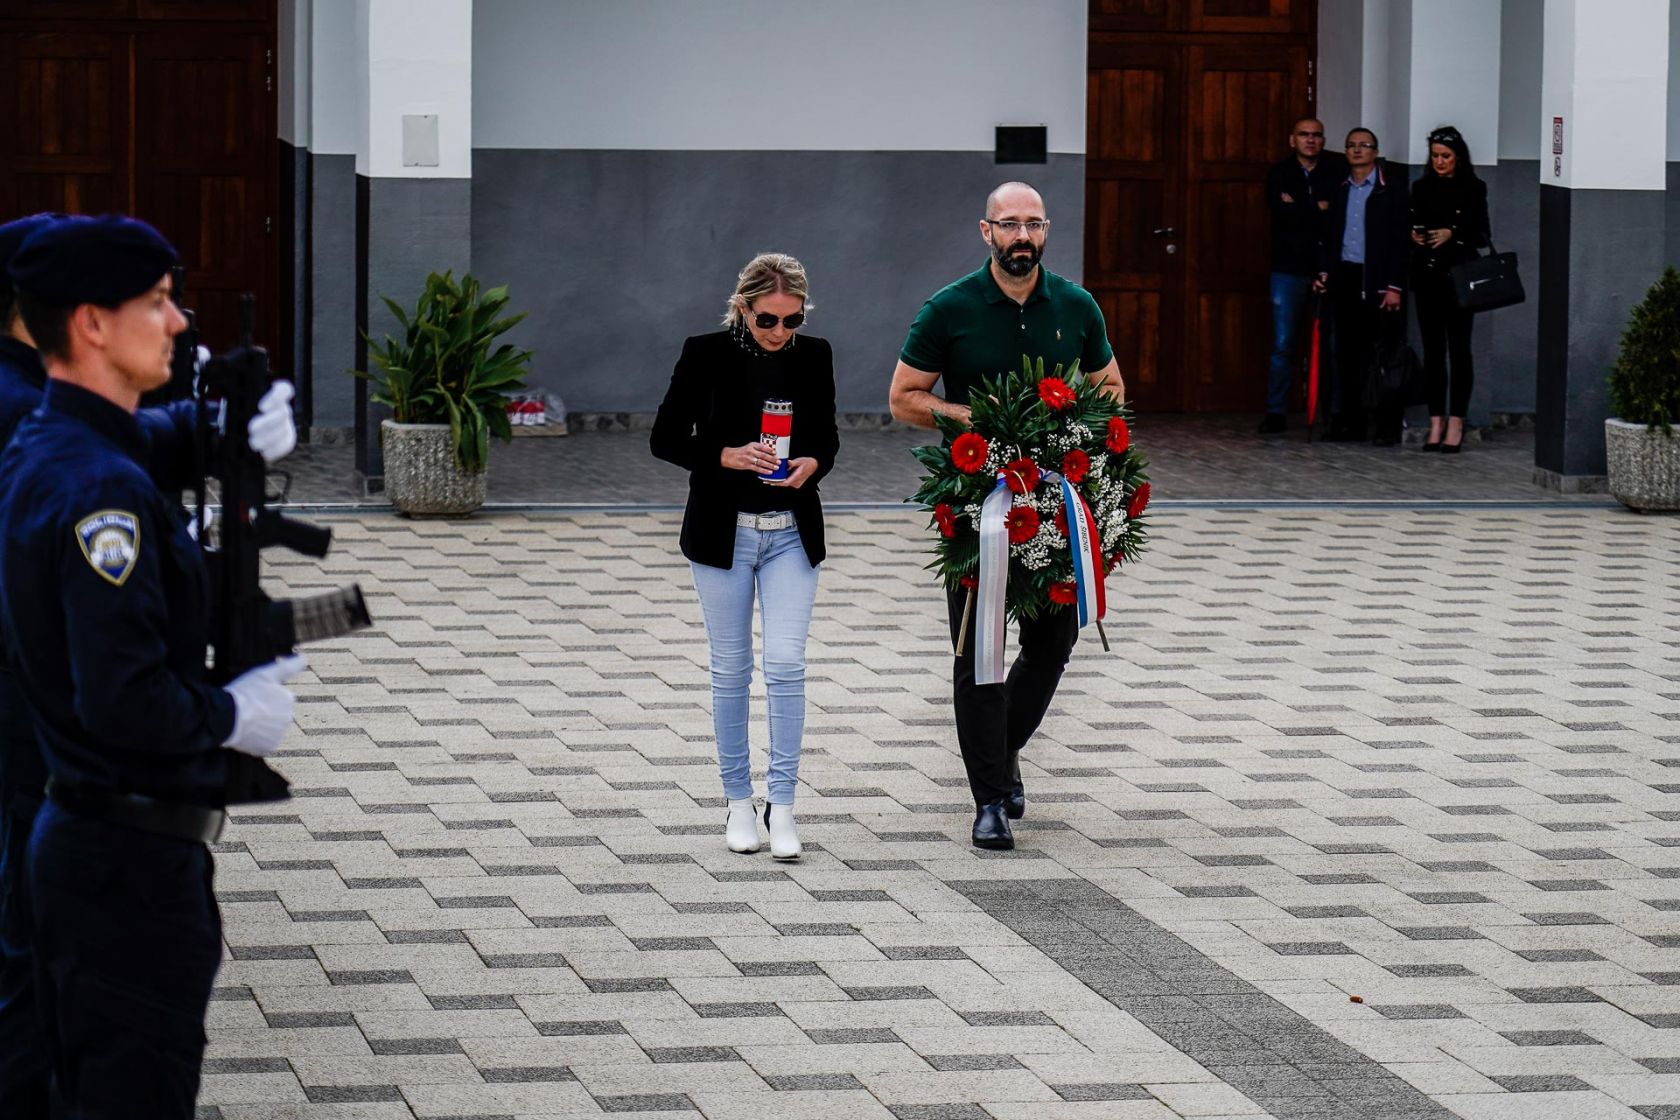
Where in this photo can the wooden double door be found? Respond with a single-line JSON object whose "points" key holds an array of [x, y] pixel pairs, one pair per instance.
{"points": [[1188, 103], [164, 109]]}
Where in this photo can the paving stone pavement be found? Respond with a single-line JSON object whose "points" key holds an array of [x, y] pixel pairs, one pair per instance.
{"points": [[1426, 759], [1192, 457]]}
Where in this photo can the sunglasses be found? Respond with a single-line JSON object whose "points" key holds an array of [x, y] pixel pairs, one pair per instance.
{"points": [[767, 321]]}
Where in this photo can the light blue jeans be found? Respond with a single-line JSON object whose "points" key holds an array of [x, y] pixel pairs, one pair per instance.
{"points": [[775, 564]]}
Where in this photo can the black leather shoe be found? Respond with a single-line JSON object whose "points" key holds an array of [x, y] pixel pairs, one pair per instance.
{"points": [[991, 826], [1016, 802], [1274, 423]]}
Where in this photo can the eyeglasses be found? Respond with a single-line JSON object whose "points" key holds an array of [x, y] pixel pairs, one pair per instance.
{"points": [[767, 321], [1009, 229], [1310, 135], [1352, 144]]}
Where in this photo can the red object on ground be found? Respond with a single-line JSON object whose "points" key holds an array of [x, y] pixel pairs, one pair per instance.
{"points": [[1312, 377]]}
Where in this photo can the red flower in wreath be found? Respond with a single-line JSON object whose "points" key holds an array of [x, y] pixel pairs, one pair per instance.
{"points": [[1116, 560], [1076, 465], [1061, 521], [1054, 392], [946, 518], [1139, 501], [1064, 592], [969, 451], [1022, 523], [968, 581], [1119, 435], [1021, 475]]}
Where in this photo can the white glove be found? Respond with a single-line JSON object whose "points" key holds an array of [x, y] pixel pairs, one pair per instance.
{"points": [[272, 431], [262, 705]]}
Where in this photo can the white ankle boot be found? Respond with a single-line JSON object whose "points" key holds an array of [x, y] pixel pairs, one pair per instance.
{"points": [[784, 836], [742, 831]]}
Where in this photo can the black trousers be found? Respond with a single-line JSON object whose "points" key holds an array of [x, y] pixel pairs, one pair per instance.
{"points": [[1359, 323], [1446, 334], [128, 940], [24, 1066], [994, 721]]}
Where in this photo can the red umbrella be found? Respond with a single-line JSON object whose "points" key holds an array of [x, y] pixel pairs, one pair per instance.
{"points": [[1312, 376]]}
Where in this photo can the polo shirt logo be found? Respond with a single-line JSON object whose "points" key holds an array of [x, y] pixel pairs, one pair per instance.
{"points": [[110, 540]]}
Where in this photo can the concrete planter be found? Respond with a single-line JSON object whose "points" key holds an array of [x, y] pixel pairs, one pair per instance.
{"points": [[1644, 466], [421, 477]]}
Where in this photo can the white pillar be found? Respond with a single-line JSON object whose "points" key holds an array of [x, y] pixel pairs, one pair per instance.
{"points": [[1603, 182], [413, 167], [1422, 63]]}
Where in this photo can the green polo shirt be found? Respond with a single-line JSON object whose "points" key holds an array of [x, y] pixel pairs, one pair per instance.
{"points": [[971, 329]]}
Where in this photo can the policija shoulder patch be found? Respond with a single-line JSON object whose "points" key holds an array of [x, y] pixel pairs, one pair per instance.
{"points": [[110, 540]]}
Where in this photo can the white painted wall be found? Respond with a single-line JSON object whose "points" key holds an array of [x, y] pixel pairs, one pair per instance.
{"points": [[291, 68], [1455, 77], [1385, 83], [1674, 81], [1341, 54], [1521, 32], [859, 75], [335, 106], [1606, 75], [417, 60]]}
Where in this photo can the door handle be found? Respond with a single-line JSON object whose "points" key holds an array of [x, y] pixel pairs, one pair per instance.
{"points": [[1165, 231]]}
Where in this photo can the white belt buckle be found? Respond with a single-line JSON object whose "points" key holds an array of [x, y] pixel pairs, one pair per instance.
{"points": [[765, 522]]}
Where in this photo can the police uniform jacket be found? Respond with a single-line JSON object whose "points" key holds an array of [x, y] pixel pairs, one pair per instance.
{"points": [[106, 604], [22, 379], [716, 400]]}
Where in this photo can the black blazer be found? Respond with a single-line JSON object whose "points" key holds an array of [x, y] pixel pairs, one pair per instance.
{"points": [[1388, 231], [1298, 225], [712, 404], [1458, 204]]}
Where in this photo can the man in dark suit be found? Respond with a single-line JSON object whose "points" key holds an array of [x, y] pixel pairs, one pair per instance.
{"points": [[1298, 193], [1363, 267]]}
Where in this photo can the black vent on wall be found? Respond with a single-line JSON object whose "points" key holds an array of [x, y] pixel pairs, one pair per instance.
{"points": [[1022, 143]]}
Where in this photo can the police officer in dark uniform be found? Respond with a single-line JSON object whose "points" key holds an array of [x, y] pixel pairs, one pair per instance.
{"points": [[105, 601], [23, 1055]]}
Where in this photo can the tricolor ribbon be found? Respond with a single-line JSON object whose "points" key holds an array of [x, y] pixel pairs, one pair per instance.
{"points": [[994, 578], [1088, 571], [1086, 546]]}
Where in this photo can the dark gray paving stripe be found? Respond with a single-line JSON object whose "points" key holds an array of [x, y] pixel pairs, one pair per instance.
{"points": [[1280, 1060]]}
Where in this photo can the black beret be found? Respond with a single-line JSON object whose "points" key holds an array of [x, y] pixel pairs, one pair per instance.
{"points": [[13, 234], [106, 261]]}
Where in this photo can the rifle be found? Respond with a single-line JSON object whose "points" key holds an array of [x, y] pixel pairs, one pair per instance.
{"points": [[247, 628]]}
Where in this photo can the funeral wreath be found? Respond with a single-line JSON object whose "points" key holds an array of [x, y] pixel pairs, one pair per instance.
{"points": [[1043, 482]]}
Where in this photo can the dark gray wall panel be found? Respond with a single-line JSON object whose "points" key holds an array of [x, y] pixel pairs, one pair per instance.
{"points": [[332, 337], [618, 255], [408, 229], [1505, 350], [1602, 250], [1672, 253], [293, 343]]}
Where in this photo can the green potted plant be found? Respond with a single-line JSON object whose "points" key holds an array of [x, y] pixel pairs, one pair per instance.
{"points": [[1641, 446], [447, 390]]}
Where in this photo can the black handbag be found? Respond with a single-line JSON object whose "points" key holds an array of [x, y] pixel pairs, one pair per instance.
{"points": [[1394, 376], [1487, 283]]}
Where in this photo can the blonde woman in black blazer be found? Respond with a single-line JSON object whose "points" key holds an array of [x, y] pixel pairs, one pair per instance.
{"points": [[746, 538]]}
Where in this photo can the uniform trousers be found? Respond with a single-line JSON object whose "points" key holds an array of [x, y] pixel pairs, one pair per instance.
{"points": [[24, 1067], [994, 721], [128, 941]]}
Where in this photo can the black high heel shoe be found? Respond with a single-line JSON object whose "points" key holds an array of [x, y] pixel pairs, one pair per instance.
{"points": [[1427, 446]]}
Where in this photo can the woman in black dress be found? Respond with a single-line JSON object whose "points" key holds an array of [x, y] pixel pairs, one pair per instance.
{"points": [[747, 536], [1449, 223]]}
